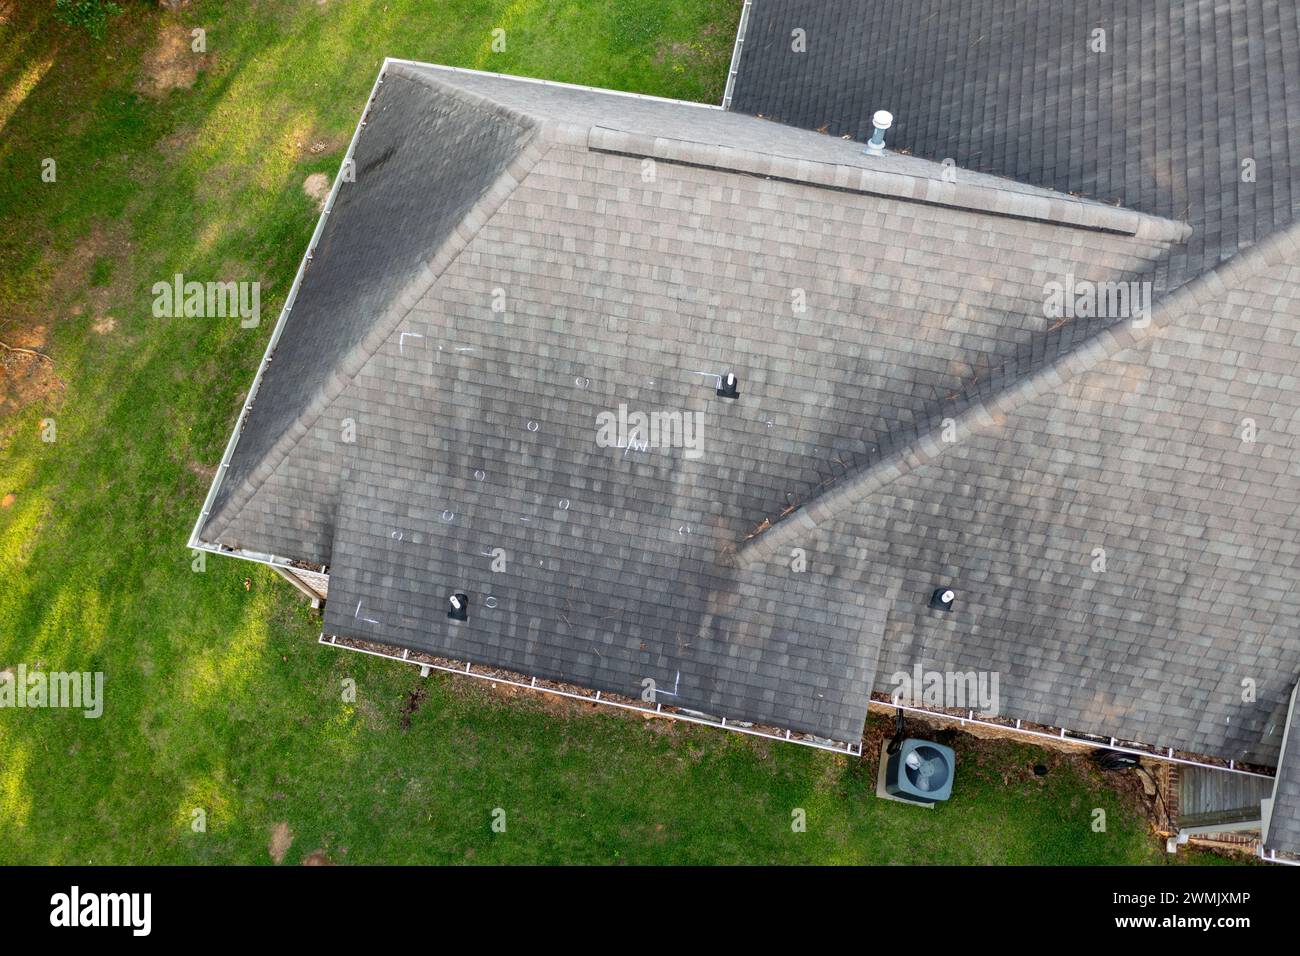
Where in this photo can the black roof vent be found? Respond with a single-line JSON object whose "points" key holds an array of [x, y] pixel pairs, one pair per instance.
{"points": [[942, 598], [728, 386], [458, 607]]}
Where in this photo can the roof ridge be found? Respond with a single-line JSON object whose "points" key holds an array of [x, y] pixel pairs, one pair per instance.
{"points": [[975, 192], [1026, 202], [351, 364], [985, 413]]}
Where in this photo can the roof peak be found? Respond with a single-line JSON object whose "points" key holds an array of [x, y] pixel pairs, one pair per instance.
{"points": [[733, 143]]}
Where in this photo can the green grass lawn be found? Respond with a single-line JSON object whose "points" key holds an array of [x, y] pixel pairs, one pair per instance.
{"points": [[218, 697]]}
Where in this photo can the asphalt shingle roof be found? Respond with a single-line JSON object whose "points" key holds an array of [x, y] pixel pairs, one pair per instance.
{"points": [[1191, 111], [1135, 444], [634, 249]]}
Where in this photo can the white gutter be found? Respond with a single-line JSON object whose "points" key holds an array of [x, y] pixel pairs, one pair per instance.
{"points": [[734, 70], [1270, 856], [257, 557], [850, 750], [195, 543], [1167, 757]]}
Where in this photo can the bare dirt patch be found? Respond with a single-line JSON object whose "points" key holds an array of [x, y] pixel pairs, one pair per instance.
{"points": [[25, 340], [317, 188], [411, 705], [317, 858], [109, 278], [90, 277], [73, 271], [318, 143], [673, 51], [546, 703], [658, 725], [8, 500], [27, 371], [281, 840], [171, 63]]}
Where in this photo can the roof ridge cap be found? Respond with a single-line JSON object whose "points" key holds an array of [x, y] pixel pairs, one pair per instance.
{"points": [[993, 411], [1041, 205]]}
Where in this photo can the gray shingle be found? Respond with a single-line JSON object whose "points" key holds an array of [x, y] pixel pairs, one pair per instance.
{"points": [[422, 164], [1161, 122]]}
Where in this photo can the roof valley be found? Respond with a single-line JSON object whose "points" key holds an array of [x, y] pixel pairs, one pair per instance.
{"points": [[992, 411]]}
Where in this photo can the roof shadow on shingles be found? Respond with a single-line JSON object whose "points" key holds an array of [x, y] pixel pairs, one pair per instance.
{"points": [[992, 374], [438, 139], [1038, 366], [733, 144], [735, 644], [1150, 654], [423, 162], [1161, 122]]}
